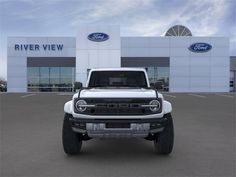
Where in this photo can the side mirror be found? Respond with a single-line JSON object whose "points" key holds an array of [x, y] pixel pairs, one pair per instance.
{"points": [[78, 85], [158, 85]]}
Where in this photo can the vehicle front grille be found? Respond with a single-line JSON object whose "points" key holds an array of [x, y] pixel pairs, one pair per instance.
{"points": [[118, 106]]}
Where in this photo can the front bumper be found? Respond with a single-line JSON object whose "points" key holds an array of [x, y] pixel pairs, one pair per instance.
{"points": [[97, 128]]}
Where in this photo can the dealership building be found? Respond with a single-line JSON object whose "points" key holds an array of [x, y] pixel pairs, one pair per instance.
{"points": [[181, 61]]}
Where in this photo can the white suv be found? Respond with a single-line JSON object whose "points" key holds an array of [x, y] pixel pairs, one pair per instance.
{"points": [[117, 103]]}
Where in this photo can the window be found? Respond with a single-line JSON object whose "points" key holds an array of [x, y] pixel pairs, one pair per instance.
{"points": [[159, 74], [50, 79], [33, 76], [117, 79]]}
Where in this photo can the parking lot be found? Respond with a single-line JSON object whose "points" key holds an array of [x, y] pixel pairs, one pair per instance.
{"points": [[205, 140]]}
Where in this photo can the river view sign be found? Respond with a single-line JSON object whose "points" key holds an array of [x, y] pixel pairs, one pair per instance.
{"points": [[38, 47]]}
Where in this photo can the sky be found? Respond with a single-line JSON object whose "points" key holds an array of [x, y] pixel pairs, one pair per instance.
{"points": [[135, 17]]}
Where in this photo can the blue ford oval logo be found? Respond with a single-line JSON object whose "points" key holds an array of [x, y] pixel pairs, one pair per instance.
{"points": [[98, 37], [200, 47]]}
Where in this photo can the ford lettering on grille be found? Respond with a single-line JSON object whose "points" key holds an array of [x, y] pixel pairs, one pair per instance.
{"points": [[118, 105]]}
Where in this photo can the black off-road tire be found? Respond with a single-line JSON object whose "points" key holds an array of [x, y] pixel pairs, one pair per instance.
{"points": [[164, 141], [71, 141]]}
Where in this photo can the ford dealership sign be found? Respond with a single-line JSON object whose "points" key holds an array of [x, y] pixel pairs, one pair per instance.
{"points": [[98, 37], [200, 47]]}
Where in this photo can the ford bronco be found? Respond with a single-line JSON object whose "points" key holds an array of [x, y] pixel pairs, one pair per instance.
{"points": [[117, 103]]}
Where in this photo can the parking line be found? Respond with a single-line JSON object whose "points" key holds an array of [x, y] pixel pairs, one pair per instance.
{"points": [[228, 96], [65, 94], [196, 95], [24, 96], [172, 96]]}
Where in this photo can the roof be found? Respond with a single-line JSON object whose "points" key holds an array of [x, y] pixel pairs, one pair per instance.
{"points": [[118, 69]]}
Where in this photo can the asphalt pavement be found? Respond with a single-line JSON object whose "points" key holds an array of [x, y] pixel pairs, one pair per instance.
{"points": [[30, 143]]}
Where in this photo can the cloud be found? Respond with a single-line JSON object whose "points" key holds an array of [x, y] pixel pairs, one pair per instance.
{"points": [[202, 17], [205, 16], [103, 9], [150, 17], [113, 8]]}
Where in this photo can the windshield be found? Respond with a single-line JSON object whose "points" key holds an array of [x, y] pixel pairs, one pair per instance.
{"points": [[117, 79]]}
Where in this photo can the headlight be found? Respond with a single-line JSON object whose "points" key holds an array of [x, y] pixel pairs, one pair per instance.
{"points": [[81, 105], [154, 105]]}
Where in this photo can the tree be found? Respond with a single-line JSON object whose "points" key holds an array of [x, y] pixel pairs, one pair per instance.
{"points": [[3, 80]]}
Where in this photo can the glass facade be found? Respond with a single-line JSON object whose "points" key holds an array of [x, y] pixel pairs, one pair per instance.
{"points": [[61, 79], [159, 74], [50, 79]]}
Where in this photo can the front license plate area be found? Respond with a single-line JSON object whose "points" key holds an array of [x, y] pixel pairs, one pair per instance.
{"points": [[117, 125]]}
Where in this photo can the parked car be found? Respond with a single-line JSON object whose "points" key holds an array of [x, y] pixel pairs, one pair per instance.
{"points": [[3, 88]]}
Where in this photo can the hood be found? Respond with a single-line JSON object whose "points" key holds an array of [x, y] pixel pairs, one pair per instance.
{"points": [[117, 93]]}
